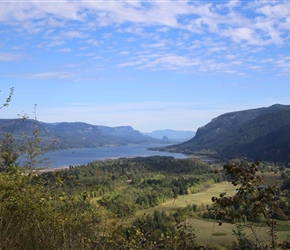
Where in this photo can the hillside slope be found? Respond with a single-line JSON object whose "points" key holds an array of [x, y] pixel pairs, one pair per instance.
{"points": [[242, 133], [274, 146], [77, 134]]}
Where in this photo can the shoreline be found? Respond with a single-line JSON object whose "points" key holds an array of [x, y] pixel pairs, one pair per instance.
{"points": [[44, 170]]}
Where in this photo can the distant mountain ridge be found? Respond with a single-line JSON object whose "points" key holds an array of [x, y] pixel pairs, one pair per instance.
{"points": [[172, 135], [255, 133], [77, 134]]}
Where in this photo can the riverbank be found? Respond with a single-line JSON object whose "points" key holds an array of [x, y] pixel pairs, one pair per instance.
{"points": [[44, 170]]}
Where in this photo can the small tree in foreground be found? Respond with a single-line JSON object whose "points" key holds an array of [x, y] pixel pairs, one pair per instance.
{"points": [[8, 153], [33, 147], [8, 99], [252, 203]]}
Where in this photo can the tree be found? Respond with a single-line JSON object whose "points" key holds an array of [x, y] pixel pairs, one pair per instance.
{"points": [[8, 153], [32, 147], [252, 201], [8, 99], [36, 216]]}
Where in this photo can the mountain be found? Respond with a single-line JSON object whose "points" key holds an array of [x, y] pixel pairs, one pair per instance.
{"points": [[248, 133], [77, 134], [275, 146], [172, 135]]}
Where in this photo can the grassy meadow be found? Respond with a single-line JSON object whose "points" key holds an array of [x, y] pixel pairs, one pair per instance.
{"points": [[208, 232]]}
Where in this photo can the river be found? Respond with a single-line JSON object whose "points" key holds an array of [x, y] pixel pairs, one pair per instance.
{"points": [[76, 157]]}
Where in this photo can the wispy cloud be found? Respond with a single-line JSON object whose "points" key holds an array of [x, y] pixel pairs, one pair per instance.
{"points": [[191, 34], [66, 50], [218, 18], [44, 75], [284, 63], [114, 59], [7, 56]]}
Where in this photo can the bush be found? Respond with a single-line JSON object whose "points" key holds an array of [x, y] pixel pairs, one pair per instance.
{"points": [[33, 217]]}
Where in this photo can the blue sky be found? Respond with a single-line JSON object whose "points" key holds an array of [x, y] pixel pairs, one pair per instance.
{"points": [[148, 64]]}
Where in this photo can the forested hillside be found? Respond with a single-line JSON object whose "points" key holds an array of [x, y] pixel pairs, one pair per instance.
{"points": [[256, 133], [75, 135]]}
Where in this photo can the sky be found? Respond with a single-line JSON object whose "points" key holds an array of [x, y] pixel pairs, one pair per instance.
{"points": [[156, 64]]}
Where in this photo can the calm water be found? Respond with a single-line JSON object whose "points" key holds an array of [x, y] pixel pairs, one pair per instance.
{"points": [[86, 155]]}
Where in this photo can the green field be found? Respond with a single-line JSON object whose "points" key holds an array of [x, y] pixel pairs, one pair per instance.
{"points": [[205, 196], [271, 178], [200, 198], [208, 231]]}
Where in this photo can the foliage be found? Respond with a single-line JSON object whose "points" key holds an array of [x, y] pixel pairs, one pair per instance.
{"points": [[128, 185], [33, 148], [29, 145], [33, 217], [8, 152], [253, 202], [8, 99], [162, 231]]}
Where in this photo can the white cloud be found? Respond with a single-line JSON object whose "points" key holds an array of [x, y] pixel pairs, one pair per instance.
{"points": [[284, 64], [276, 11], [217, 49], [51, 43], [163, 29], [11, 12], [195, 34], [267, 60], [73, 34], [66, 50], [44, 75], [242, 34], [255, 67], [230, 56], [154, 46], [161, 60], [236, 63], [187, 64], [93, 42], [62, 10], [7, 56], [220, 19], [200, 16], [125, 53], [90, 54]]}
